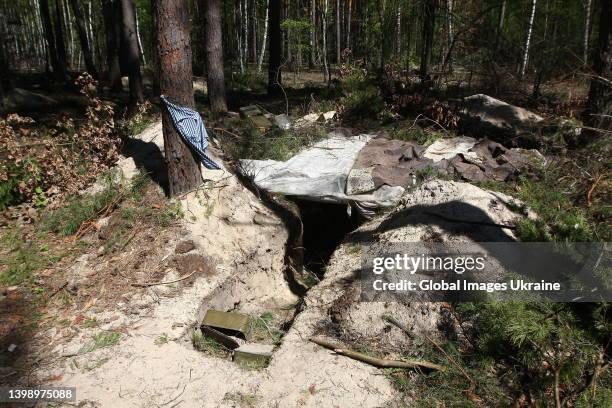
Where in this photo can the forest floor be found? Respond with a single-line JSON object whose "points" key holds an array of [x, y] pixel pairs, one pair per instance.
{"points": [[105, 291]]}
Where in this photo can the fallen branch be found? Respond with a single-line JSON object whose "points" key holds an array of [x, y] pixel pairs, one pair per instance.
{"points": [[376, 362], [592, 189], [146, 284]]}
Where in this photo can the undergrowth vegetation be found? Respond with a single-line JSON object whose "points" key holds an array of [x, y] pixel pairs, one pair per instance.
{"points": [[36, 161]]}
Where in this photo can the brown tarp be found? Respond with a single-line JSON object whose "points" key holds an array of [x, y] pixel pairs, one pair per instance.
{"points": [[396, 162]]}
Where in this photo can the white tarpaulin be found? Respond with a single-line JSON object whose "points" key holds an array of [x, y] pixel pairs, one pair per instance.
{"points": [[320, 173]]}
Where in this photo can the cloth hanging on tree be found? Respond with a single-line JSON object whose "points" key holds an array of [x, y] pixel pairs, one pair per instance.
{"points": [[190, 126]]}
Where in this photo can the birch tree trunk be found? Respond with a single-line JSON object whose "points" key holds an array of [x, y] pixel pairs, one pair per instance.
{"points": [[313, 33], [338, 38], [176, 82], [324, 33], [528, 41], [348, 23], [215, 78], [500, 25], [262, 52], [587, 29], [449, 23], [140, 49], [398, 30]]}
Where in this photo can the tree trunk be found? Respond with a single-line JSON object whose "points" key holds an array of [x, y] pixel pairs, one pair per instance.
{"points": [[429, 18], [82, 33], [500, 25], [4, 72], [324, 33], [598, 113], [132, 51], [140, 49], [59, 41], [110, 12], [274, 60], [313, 33], [50, 39], [587, 28], [338, 38], [528, 41], [348, 24], [176, 82], [214, 55], [262, 53], [449, 30], [398, 31]]}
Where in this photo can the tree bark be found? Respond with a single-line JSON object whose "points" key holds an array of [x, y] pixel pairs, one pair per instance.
{"points": [[132, 51], [110, 12], [313, 35], [82, 33], [324, 34], [528, 41], [176, 82], [500, 25], [348, 23], [338, 37], [274, 59], [598, 113], [57, 53], [214, 56], [262, 53], [587, 28], [429, 18]]}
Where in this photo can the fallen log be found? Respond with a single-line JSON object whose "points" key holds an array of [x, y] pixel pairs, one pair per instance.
{"points": [[376, 362]]}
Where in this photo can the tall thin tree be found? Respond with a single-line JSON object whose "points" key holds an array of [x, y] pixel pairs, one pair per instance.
{"points": [[172, 29], [60, 44], [262, 53], [598, 113], [215, 78], [587, 30], [56, 65], [129, 37], [82, 33], [528, 40], [111, 13], [429, 20], [274, 59]]}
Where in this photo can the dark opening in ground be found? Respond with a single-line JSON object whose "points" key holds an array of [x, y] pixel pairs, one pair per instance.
{"points": [[325, 226]]}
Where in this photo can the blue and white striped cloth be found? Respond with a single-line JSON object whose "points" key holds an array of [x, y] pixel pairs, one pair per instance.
{"points": [[190, 126]]}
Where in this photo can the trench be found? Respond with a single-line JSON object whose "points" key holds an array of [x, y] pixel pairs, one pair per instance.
{"points": [[324, 228], [315, 230]]}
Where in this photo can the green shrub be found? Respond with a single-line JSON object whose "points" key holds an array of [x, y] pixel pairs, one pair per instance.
{"points": [[67, 220]]}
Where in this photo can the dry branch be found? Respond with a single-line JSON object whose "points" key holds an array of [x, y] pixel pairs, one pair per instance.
{"points": [[377, 362]]}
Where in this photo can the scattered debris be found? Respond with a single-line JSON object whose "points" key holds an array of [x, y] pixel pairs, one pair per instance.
{"points": [[312, 118], [282, 121], [254, 115]]}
